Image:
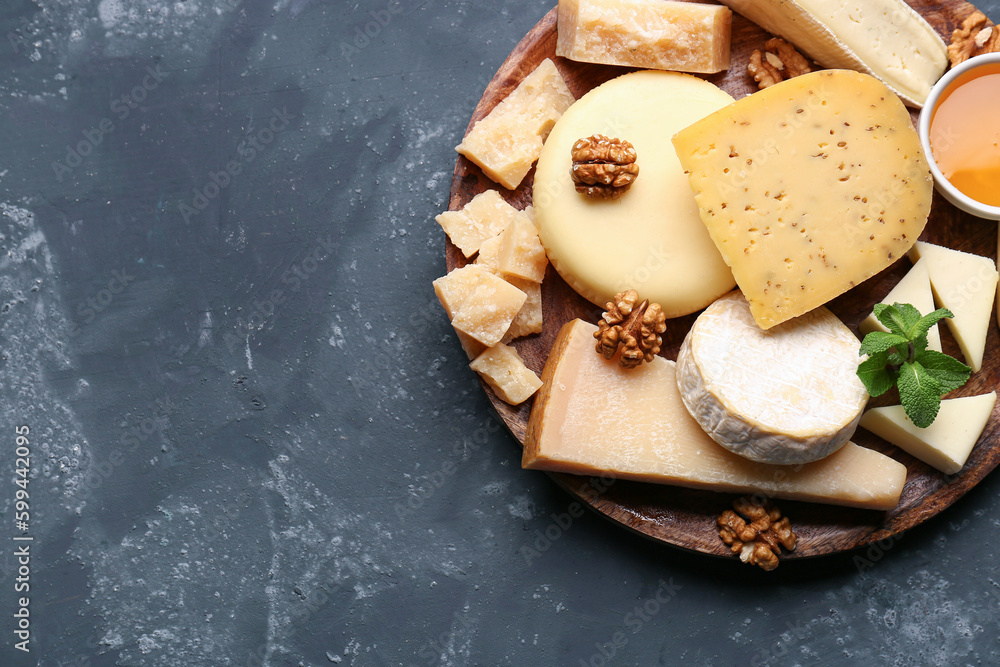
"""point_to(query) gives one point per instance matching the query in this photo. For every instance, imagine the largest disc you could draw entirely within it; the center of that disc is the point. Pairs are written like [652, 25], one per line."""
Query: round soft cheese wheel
[790, 394]
[651, 238]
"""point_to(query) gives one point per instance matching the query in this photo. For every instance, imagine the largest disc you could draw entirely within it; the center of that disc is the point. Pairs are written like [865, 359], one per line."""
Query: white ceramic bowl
[949, 191]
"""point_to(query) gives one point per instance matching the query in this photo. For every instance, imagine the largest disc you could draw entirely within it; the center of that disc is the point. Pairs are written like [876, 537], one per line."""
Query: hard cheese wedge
[945, 444]
[651, 239]
[966, 285]
[914, 289]
[507, 142]
[653, 34]
[885, 38]
[808, 188]
[593, 417]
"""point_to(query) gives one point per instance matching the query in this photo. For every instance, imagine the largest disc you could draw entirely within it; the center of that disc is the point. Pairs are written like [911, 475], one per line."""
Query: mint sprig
[899, 357]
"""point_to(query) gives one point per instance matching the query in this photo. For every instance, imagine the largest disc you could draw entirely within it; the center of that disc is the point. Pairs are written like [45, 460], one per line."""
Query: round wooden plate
[686, 517]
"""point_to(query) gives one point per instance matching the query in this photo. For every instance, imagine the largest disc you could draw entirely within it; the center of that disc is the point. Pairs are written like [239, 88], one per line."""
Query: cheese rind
[507, 141]
[652, 34]
[966, 285]
[788, 395]
[808, 188]
[592, 417]
[650, 239]
[947, 442]
[503, 369]
[884, 38]
[915, 289]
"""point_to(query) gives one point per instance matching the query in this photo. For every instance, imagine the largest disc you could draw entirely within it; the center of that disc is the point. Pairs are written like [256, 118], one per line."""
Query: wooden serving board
[685, 517]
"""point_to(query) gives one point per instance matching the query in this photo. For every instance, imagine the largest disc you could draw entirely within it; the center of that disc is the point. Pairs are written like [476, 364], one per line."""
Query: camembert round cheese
[786, 395]
[651, 239]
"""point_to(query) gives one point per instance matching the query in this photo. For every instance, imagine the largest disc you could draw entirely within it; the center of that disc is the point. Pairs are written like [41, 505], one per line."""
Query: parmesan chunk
[503, 369]
[507, 141]
[653, 34]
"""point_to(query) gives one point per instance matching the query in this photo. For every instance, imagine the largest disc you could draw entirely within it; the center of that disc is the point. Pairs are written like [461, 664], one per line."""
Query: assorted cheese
[945, 444]
[594, 417]
[507, 142]
[884, 38]
[796, 194]
[654, 34]
[966, 285]
[914, 289]
[787, 395]
[652, 238]
[808, 188]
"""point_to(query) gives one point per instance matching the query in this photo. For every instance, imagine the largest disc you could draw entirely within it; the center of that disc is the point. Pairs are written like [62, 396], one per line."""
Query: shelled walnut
[633, 326]
[778, 62]
[758, 542]
[976, 36]
[603, 167]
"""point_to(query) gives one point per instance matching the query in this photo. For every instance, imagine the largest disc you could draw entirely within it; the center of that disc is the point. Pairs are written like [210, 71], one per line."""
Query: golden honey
[965, 134]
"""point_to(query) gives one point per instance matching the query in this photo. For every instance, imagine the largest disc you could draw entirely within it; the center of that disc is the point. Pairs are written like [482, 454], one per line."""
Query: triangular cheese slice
[914, 289]
[966, 285]
[947, 442]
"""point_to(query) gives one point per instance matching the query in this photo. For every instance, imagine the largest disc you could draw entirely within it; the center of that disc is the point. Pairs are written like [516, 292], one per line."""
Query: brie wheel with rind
[947, 442]
[884, 38]
[592, 417]
[965, 284]
[651, 239]
[787, 395]
[914, 289]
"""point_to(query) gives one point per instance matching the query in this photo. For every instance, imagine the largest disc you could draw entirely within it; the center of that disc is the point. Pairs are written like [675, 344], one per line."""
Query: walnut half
[976, 36]
[758, 542]
[633, 326]
[778, 62]
[603, 167]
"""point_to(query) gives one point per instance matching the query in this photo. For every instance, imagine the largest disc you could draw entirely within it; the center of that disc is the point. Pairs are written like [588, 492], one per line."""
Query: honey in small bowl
[965, 133]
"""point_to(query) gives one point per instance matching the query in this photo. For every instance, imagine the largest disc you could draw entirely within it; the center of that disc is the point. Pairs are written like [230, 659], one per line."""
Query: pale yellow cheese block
[593, 417]
[529, 319]
[808, 188]
[947, 442]
[652, 34]
[914, 289]
[507, 141]
[503, 369]
[966, 285]
[521, 254]
[650, 239]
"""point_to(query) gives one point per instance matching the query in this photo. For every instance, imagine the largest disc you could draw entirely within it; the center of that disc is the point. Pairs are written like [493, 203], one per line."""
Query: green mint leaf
[875, 376]
[924, 324]
[880, 341]
[919, 393]
[890, 318]
[949, 372]
[899, 318]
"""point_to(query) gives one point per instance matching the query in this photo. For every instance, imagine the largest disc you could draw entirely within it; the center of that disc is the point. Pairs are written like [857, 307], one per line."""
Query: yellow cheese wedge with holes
[808, 188]
[592, 417]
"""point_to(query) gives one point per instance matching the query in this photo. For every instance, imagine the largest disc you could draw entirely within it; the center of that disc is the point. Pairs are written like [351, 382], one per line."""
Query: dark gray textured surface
[254, 439]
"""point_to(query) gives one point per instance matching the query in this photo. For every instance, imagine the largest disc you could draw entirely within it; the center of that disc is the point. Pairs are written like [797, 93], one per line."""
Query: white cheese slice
[946, 443]
[966, 285]
[914, 289]
[790, 394]
[885, 38]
